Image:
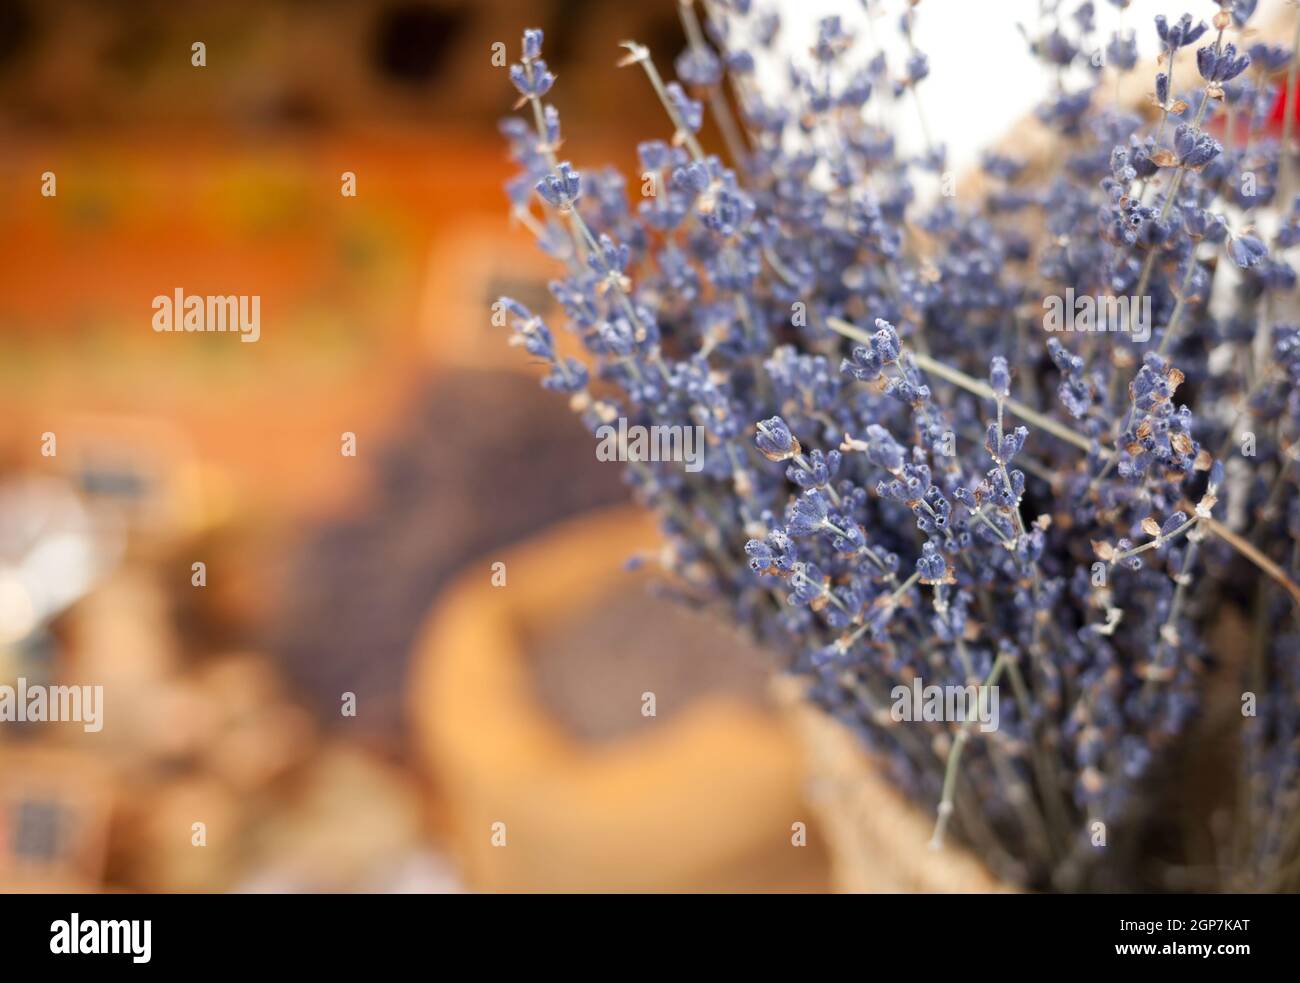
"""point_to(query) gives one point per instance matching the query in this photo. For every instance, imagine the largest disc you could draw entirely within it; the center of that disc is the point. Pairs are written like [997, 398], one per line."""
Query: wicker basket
[879, 841]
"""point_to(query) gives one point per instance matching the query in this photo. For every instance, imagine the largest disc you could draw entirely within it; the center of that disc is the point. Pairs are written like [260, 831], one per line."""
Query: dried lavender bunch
[910, 475]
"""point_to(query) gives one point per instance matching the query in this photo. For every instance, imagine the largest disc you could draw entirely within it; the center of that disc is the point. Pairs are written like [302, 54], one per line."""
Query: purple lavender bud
[1056, 49]
[1000, 377]
[809, 514]
[918, 67]
[516, 308]
[1192, 34]
[1270, 57]
[1221, 65]
[831, 39]
[885, 341]
[863, 364]
[616, 336]
[1172, 523]
[857, 91]
[775, 439]
[740, 63]
[853, 540]
[1122, 51]
[766, 27]
[689, 111]
[611, 258]
[930, 564]
[1085, 17]
[991, 440]
[1162, 88]
[774, 554]
[533, 79]
[1231, 65]
[825, 655]
[1201, 224]
[817, 472]
[1012, 443]
[1206, 60]
[693, 178]
[533, 43]
[516, 130]
[653, 154]
[883, 450]
[539, 342]
[1179, 34]
[1194, 148]
[572, 378]
[1001, 166]
[1246, 250]
[1162, 29]
[731, 211]
[562, 188]
[808, 583]
[1132, 562]
[698, 66]
[760, 555]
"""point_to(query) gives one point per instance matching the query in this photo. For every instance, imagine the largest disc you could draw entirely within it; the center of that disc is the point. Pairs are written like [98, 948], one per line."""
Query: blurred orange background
[329, 575]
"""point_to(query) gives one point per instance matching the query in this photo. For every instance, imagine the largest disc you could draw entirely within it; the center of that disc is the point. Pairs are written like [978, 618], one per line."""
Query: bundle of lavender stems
[1036, 444]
